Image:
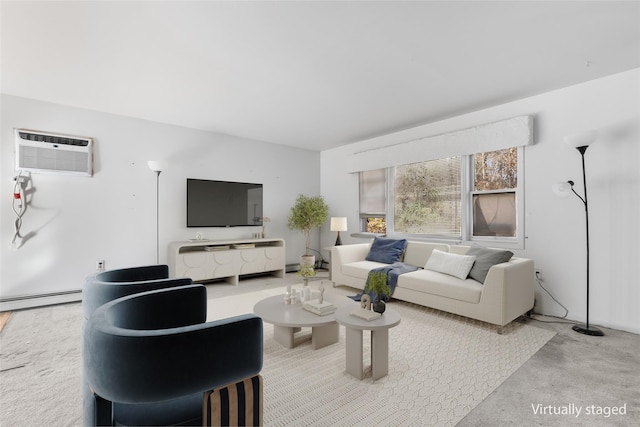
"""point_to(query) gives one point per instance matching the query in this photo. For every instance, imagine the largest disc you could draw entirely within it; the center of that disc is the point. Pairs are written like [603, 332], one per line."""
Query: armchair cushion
[183, 411]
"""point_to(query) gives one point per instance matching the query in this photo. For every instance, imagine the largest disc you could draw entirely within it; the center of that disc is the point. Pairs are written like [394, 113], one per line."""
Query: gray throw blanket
[392, 271]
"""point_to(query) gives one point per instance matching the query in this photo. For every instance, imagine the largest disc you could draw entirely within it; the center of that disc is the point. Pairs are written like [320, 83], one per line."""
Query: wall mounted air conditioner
[43, 152]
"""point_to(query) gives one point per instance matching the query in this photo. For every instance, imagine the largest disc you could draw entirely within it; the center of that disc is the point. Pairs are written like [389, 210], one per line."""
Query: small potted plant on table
[378, 286]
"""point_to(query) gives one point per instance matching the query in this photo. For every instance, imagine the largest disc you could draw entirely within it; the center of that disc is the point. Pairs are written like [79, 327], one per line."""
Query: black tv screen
[223, 203]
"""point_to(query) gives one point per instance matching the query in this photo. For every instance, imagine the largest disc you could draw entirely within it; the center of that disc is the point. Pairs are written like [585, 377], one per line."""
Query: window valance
[514, 132]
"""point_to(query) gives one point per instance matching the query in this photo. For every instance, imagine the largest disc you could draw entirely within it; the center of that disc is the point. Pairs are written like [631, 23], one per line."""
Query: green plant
[306, 214]
[377, 284]
[306, 271]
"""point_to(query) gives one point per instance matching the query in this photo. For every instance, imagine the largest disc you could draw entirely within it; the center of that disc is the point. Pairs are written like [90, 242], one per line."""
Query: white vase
[307, 260]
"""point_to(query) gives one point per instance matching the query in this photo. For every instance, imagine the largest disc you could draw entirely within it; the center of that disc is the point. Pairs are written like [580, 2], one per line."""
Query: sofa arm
[512, 285]
[345, 254]
[341, 255]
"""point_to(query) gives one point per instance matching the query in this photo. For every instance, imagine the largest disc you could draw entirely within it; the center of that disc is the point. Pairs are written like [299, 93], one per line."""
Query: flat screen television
[223, 203]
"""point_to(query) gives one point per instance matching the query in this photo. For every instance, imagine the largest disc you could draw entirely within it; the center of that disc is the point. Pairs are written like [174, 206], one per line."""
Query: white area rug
[440, 367]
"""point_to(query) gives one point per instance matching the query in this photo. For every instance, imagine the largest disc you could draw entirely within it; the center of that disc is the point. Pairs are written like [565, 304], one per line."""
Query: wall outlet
[100, 265]
[539, 275]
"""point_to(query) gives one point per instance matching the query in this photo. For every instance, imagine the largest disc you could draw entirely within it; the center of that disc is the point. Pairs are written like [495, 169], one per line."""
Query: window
[465, 198]
[494, 193]
[427, 198]
[373, 201]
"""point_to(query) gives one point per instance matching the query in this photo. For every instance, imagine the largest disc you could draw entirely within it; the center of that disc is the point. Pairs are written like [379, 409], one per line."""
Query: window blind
[373, 192]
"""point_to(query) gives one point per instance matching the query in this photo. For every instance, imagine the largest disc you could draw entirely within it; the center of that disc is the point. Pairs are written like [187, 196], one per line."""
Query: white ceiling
[314, 75]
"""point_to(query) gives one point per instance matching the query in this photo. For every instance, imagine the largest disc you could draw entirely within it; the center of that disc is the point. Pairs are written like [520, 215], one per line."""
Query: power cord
[320, 262]
[566, 311]
[19, 205]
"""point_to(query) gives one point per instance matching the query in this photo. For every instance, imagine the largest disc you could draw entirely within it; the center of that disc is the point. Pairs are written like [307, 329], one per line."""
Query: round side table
[379, 340]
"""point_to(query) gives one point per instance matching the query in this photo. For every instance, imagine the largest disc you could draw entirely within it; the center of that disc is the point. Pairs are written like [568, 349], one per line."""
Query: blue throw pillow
[386, 250]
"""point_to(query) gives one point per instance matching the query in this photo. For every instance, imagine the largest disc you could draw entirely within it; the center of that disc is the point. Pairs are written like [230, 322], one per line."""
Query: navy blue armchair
[149, 357]
[100, 288]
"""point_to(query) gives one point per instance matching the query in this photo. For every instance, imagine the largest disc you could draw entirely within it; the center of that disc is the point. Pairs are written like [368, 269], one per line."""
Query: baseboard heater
[39, 300]
[320, 265]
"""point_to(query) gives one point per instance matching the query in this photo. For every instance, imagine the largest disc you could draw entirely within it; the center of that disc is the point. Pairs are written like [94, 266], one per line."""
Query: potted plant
[377, 285]
[306, 271]
[306, 214]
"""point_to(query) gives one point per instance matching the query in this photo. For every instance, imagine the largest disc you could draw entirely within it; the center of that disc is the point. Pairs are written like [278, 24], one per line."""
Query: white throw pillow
[451, 264]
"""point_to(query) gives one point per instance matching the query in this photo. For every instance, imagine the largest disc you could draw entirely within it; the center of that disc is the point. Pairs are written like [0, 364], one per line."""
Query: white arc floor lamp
[581, 142]
[157, 168]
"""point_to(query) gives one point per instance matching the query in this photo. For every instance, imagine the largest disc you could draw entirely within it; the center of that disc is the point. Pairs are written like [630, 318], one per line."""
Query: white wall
[112, 215]
[555, 228]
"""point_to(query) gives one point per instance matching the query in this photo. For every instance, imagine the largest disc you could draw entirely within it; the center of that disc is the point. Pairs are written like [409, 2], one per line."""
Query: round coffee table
[379, 340]
[289, 318]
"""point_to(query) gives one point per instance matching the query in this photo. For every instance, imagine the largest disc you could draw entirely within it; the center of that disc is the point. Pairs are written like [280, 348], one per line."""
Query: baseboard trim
[39, 300]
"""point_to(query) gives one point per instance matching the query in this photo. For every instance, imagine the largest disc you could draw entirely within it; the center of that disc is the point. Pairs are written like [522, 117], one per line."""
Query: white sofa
[507, 291]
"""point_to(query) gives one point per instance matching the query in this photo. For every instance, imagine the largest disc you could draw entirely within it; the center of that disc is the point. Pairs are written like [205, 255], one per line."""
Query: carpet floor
[440, 367]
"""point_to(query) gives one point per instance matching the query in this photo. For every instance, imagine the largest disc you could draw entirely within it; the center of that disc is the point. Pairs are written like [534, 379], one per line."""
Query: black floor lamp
[581, 142]
[157, 168]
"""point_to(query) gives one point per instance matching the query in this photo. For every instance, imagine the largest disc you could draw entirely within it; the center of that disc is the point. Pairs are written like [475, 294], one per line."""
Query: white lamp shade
[561, 189]
[156, 166]
[339, 223]
[582, 139]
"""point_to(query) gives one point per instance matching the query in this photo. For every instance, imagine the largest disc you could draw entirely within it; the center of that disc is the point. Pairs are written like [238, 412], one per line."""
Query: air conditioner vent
[42, 152]
[51, 139]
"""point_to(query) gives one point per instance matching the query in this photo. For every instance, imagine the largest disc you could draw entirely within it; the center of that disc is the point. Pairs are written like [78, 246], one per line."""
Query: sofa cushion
[360, 269]
[452, 264]
[444, 285]
[417, 253]
[485, 259]
[386, 250]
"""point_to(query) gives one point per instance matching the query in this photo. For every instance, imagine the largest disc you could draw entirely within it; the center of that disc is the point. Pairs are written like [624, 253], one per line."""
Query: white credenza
[206, 260]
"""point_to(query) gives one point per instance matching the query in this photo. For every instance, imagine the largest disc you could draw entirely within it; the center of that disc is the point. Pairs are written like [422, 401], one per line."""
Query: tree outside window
[428, 198]
[376, 225]
[496, 170]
